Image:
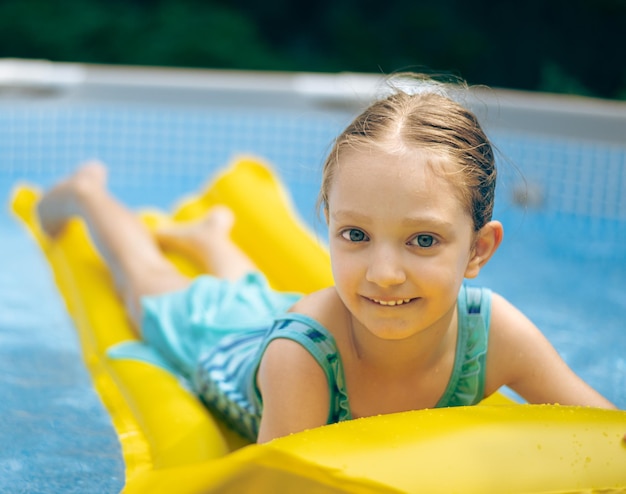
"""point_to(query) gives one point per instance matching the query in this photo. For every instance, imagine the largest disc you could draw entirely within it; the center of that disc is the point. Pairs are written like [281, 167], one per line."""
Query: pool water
[56, 437]
[563, 261]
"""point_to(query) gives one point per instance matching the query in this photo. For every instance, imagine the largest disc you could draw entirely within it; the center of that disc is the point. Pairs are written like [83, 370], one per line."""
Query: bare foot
[198, 235]
[61, 202]
[208, 242]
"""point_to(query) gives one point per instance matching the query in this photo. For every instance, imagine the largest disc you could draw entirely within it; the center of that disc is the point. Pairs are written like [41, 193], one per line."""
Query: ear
[486, 243]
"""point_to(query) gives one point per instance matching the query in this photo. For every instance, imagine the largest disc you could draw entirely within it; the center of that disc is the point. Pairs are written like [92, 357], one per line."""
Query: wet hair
[420, 115]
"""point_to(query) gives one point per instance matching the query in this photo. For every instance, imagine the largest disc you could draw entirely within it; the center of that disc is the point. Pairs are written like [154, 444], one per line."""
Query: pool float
[171, 443]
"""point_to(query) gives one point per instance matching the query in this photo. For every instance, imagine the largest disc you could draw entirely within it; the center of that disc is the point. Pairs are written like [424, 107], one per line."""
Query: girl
[407, 193]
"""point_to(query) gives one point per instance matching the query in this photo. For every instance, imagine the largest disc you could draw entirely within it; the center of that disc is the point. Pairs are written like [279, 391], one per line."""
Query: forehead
[404, 172]
[378, 184]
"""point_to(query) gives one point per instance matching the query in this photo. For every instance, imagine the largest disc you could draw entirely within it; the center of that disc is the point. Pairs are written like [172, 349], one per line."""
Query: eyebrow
[344, 215]
[430, 220]
[426, 219]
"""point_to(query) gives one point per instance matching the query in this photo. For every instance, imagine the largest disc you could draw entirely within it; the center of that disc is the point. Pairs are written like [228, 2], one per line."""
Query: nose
[385, 267]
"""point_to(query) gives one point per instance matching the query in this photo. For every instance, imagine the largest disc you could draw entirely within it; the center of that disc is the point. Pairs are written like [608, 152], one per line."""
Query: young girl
[407, 193]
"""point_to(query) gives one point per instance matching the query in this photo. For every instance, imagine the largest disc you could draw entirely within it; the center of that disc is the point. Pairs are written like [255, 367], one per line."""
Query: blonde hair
[420, 114]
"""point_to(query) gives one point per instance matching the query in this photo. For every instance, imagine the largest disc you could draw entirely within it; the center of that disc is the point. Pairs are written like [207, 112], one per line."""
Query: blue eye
[354, 235]
[424, 240]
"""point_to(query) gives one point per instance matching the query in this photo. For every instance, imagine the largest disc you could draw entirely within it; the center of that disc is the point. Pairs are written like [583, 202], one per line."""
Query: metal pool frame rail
[539, 113]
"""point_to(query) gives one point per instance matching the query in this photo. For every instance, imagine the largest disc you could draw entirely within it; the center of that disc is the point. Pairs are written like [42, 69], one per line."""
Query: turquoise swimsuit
[218, 351]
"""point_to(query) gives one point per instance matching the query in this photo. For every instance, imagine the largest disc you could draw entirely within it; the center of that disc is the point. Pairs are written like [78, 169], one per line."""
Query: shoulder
[294, 384]
[521, 357]
[293, 388]
[284, 355]
[513, 343]
[513, 334]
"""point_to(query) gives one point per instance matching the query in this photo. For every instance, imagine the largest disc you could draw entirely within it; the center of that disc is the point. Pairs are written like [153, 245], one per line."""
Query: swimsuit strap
[467, 383]
[320, 343]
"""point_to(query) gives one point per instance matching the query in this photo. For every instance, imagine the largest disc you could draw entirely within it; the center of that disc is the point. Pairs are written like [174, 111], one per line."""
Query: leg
[137, 265]
[208, 242]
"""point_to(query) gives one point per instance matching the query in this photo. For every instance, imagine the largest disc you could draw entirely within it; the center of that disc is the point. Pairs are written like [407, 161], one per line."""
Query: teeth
[392, 302]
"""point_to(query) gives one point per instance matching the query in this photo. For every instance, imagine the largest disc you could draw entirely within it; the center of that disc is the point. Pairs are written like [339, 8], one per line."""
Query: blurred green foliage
[568, 46]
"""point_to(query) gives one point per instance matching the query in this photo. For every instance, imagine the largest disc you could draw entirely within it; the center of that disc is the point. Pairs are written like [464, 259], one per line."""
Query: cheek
[345, 267]
[445, 271]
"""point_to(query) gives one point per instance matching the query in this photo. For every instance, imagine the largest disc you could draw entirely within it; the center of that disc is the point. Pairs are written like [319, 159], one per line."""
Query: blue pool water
[563, 261]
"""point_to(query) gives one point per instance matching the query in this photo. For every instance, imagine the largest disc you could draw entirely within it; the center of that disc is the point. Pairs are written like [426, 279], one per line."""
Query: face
[400, 242]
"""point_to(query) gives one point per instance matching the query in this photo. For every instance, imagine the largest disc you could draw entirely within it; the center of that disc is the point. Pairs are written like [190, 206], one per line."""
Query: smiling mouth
[391, 303]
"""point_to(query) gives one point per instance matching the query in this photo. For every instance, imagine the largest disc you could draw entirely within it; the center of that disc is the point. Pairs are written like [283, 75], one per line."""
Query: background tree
[573, 46]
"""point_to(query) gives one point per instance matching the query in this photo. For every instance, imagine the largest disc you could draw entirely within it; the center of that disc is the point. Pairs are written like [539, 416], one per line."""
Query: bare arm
[523, 359]
[294, 389]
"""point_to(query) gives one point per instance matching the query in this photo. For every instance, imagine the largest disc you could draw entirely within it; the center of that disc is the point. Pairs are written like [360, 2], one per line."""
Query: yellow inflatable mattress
[171, 443]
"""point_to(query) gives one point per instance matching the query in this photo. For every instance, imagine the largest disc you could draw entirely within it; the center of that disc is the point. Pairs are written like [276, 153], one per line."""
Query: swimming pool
[163, 133]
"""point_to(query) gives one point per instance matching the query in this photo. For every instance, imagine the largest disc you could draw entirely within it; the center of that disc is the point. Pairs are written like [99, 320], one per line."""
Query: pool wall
[570, 150]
